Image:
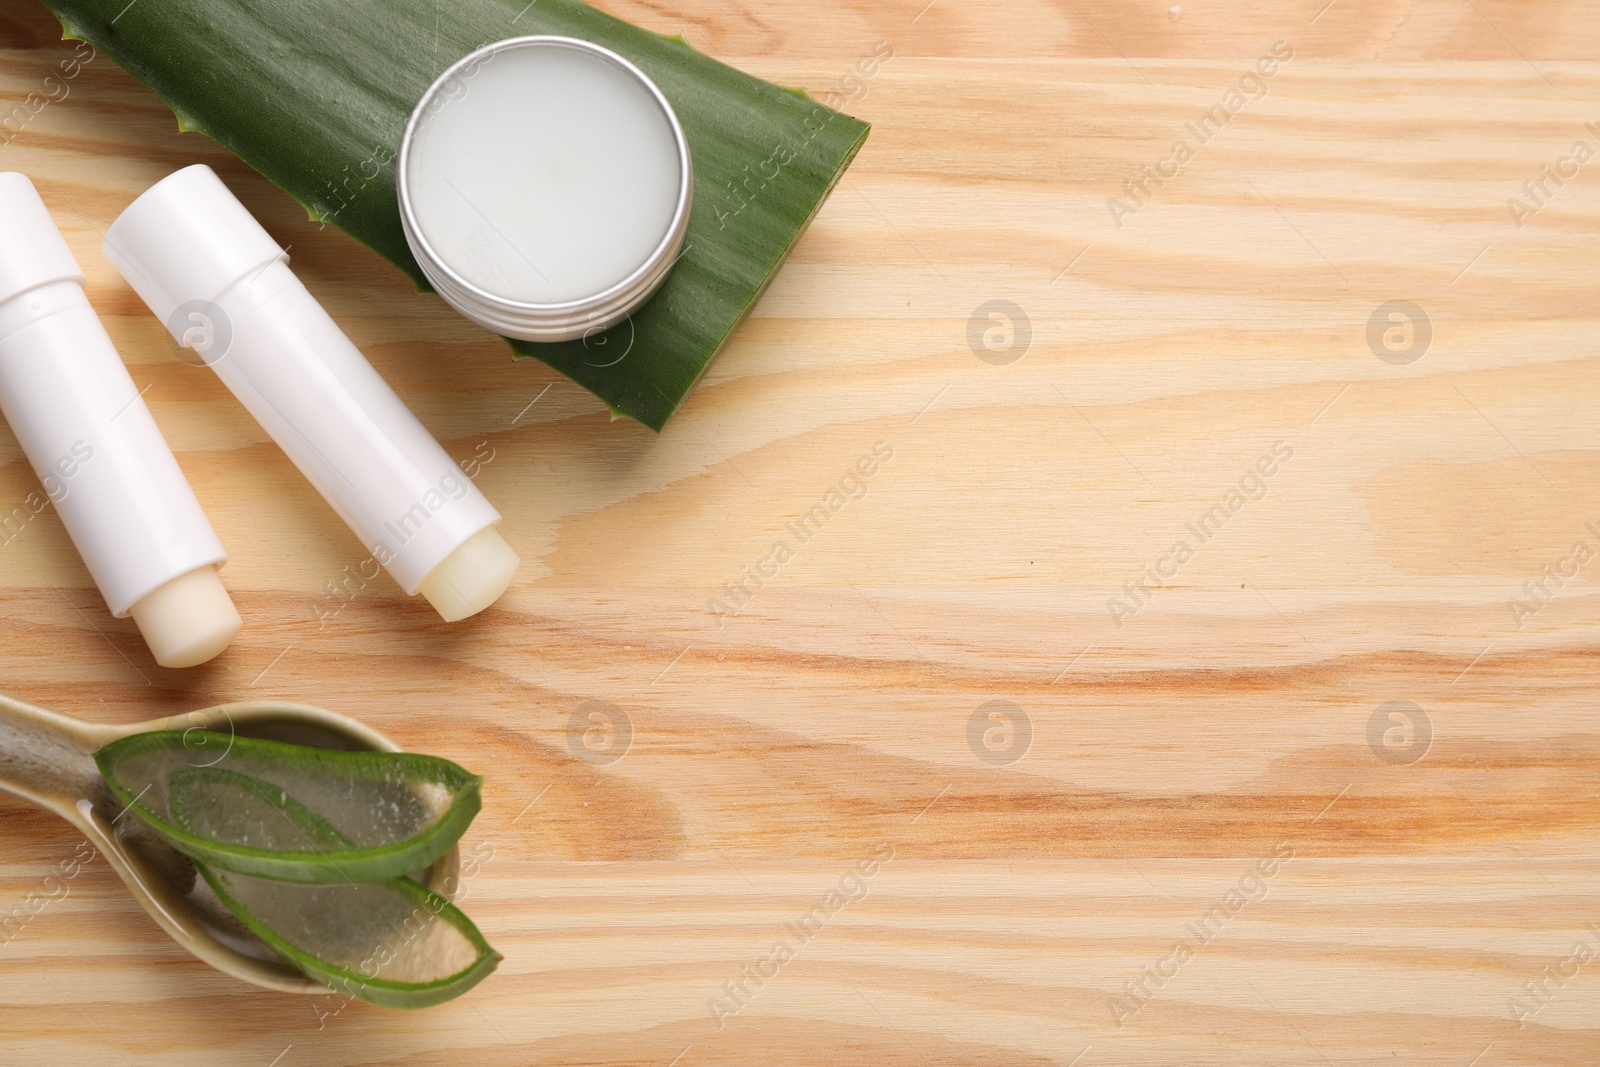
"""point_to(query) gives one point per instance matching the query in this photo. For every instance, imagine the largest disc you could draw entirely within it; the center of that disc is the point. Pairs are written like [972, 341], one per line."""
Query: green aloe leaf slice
[222, 805]
[288, 812]
[392, 943]
[388, 943]
[315, 93]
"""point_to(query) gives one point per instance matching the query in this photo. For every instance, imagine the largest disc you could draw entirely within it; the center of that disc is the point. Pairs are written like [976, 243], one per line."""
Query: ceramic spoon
[47, 758]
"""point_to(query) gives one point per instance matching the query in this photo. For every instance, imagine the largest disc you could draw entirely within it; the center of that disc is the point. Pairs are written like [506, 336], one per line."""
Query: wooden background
[1443, 863]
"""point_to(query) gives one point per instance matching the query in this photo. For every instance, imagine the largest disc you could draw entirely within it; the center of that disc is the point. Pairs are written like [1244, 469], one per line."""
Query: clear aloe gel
[391, 943]
[345, 915]
[247, 812]
[247, 805]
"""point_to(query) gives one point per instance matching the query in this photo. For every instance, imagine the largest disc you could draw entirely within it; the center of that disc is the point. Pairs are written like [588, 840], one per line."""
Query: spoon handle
[46, 757]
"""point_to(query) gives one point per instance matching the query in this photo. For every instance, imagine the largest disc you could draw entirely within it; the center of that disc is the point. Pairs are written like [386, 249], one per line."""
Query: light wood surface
[1398, 880]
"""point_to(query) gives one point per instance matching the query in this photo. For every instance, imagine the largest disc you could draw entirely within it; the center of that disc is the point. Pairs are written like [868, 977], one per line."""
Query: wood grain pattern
[1397, 883]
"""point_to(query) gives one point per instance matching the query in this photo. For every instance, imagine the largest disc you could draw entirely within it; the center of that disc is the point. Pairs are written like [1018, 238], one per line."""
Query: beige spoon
[47, 758]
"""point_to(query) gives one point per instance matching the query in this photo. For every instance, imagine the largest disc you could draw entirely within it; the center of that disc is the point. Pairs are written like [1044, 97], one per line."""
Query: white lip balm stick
[224, 288]
[92, 442]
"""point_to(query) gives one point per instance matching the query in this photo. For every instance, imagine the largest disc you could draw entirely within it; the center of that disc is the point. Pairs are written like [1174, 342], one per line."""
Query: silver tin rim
[571, 319]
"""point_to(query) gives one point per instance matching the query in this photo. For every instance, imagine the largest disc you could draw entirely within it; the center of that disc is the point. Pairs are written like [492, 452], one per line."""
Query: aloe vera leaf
[393, 811]
[315, 93]
[223, 805]
[392, 943]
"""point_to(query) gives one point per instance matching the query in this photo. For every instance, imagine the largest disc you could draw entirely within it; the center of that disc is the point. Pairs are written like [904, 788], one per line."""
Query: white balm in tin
[545, 186]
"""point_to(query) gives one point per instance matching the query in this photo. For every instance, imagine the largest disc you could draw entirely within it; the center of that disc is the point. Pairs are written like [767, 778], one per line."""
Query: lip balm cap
[35, 251]
[189, 620]
[187, 238]
[472, 577]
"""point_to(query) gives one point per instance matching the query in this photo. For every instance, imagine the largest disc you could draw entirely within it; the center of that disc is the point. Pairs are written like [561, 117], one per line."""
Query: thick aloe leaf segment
[315, 93]
[289, 812]
[392, 943]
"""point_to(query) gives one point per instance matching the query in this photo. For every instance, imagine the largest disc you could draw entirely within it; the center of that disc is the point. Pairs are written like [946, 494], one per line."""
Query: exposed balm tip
[472, 577]
[188, 620]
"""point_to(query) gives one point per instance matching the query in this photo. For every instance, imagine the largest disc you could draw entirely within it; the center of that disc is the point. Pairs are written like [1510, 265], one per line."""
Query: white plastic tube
[92, 442]
[224, 288]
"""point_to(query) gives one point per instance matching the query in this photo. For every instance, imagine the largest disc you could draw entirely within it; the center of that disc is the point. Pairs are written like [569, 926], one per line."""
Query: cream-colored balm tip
[472, 577]
[189, 620]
